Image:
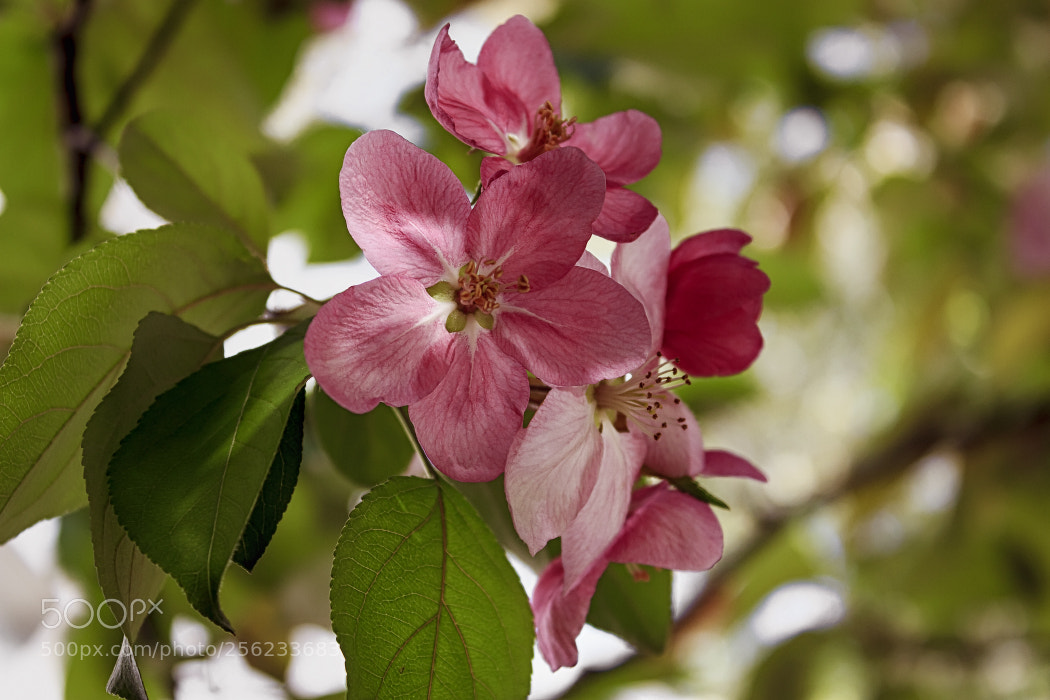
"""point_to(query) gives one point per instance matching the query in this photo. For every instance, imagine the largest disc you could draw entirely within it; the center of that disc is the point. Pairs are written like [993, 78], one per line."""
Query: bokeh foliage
[902, 405]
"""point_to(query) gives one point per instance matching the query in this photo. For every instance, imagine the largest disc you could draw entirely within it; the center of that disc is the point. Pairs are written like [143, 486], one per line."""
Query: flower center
[548, 132]
[476, 294]
[639, 398]
[479, 290]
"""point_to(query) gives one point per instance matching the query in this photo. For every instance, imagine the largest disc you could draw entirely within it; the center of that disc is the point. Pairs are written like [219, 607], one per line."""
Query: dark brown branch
[81, 142]
[65, 46]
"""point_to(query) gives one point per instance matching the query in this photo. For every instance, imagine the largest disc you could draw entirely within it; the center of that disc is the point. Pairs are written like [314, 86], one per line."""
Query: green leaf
[303, 179]
[692, 488]
[181, 169]
[367, 448]
[277, 490]
[490, 500]
[636, 610]
[165, 350]
[32, 232]
[126, 681]
[76, 337]
[185, 481]
[424, 601]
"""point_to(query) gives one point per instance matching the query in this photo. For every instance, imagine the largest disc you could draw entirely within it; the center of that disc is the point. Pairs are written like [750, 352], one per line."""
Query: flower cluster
[482, 313]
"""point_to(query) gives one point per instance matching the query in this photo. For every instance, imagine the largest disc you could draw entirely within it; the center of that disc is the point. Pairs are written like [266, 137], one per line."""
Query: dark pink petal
[552, 466]
[467, 423]
[722, 463]
[624, 215]
[403, 207]
[714, 298]
[712, 347]
[579, 330]
[560, 617]
[602, 517]
[680, 449]
[641, 267]
[517, 58]
[727, 241]
[536, 219]
[669, 530]
[374, 343]
[626, 145]
[467, 104]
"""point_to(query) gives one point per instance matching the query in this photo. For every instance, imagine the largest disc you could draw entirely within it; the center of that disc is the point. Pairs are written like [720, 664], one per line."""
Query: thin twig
[155, 49]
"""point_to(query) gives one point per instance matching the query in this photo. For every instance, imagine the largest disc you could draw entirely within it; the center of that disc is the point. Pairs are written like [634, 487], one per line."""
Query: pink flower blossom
[1029, 226]
[664, 528]
[469, 298]
[570, 473]
[329, 15]
[509, 104]
[714, 298]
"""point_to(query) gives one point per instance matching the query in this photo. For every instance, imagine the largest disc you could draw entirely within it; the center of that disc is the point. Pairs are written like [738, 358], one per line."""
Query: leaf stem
[402, 417]
[306, 297]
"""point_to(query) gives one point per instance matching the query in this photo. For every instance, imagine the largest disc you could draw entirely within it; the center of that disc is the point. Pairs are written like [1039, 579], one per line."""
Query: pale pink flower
[509, 104]
[469, 298]
[664, 528]
[570, 473]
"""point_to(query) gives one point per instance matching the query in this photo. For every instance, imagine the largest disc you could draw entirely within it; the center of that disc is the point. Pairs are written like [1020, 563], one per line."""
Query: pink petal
[580, 330]
[467, 104]
[722, 463]
[552, 466]
[626, 145]
[404, 207]
[680, 449]
[559, 616]
[600, 520]
[517, 58]
[373, 343]
[641, 267]
[669, 530]
[624, 216]
[467, 423]
[536, 219]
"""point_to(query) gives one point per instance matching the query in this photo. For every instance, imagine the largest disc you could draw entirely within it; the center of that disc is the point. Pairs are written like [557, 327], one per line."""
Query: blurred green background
[890, 159]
